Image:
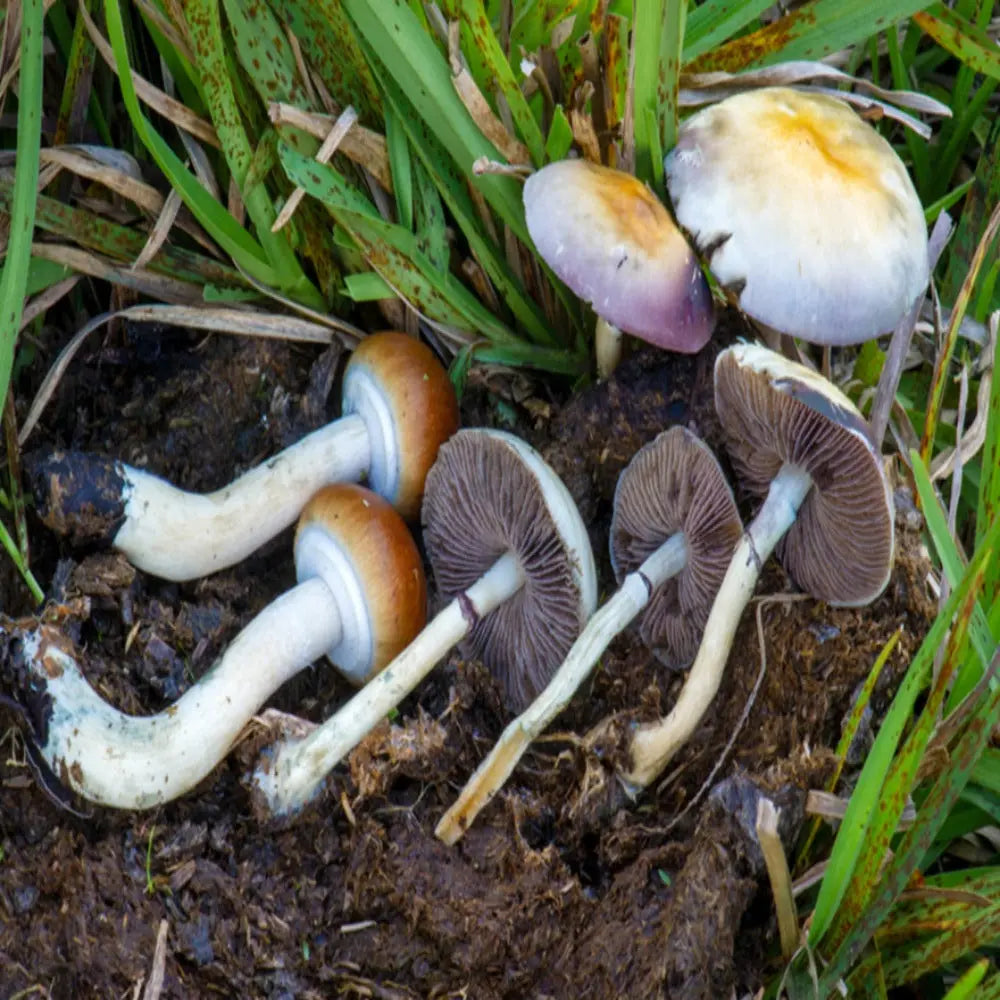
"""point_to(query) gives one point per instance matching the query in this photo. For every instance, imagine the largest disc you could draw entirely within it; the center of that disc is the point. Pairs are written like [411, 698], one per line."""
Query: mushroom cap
[490, 493]
[614, 244]
[397, 385]
[354, 540]
[804, 212]
[773, 412]
[674, 484]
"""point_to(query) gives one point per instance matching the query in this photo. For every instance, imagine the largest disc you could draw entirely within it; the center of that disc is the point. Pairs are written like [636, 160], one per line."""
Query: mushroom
[806, 215]
[797, 440]
[673, 532]
[614, 244]
[510, 553]
[360, 599]
[398, 407]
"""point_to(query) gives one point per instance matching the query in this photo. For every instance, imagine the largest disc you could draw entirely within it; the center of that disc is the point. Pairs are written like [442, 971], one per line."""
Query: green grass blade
[899, 779]
[811, 31]
[657, 39]
[429, 218]
[401, 168]
[395, 254]
[915, 842]
[963, 39]
[966, 985]
[328, 41]
[255, 39]
[410, 56]
[451, 186]
[14, 280]
[714, 22]
[850, 729]
[121, 243]
[223, 228]
[953, 568]
[865, 800]
[477, 30]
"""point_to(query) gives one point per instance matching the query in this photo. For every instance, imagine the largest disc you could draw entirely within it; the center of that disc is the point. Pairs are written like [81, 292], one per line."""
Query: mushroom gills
[673, 496]
[490, 501]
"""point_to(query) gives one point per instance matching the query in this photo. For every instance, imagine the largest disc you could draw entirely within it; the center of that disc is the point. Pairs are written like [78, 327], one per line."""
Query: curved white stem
[131, 762]
[178, 535]
[633, 595]
[655, 743]
[293, 770]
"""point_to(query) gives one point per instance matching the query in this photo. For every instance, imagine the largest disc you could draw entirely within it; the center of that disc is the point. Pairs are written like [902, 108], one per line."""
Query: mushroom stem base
[491, 775]
[292, 771]
[655, 743]
[130, 762]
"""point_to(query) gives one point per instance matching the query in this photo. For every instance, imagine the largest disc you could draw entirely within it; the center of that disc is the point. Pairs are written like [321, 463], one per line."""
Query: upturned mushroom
[360, 599]
[805, 214]
[673, 531]
[510, 553]
[797, 440]
[398, 408]
[613, 243]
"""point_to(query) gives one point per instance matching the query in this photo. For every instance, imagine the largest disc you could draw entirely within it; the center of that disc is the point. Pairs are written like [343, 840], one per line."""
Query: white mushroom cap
[804, 212]
[614, 244]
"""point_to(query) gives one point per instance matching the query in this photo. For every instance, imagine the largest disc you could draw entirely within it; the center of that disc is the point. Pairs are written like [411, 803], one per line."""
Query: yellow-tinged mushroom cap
[804, 212]
[614, 244]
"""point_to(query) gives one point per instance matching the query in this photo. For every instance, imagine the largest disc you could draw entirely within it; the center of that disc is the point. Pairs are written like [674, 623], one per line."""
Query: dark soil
[562, 888]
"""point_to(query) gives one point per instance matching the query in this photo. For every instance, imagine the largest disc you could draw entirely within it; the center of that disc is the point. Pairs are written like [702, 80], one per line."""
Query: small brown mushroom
[798, 439]
[360, 599]
[398, 407]
[674, 528]
[510, 553]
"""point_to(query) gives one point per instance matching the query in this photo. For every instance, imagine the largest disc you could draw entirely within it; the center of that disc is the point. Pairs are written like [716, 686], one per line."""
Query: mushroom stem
[293, 770]
[607, 347]
[181, 536]
[633, 595]
[655, 743]
[130, 762]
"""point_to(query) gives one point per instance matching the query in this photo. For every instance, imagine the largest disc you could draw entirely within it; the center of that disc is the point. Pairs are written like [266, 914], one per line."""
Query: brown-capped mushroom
[511, 555]
[611, 241]
[360, 599]
[797, 439]
[398, 407]
[673, 532]
[805, 214]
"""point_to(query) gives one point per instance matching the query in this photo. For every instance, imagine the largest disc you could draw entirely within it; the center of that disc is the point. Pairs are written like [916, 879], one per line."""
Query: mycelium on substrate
[360, 599]
[609, 239]
[795, 439]
[510, 554]
[804, 213]
[398, 408]
[673, 532]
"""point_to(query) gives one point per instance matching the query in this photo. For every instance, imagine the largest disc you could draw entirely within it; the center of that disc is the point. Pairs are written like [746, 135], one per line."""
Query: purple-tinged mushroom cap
[806, 215]
[614, 244]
